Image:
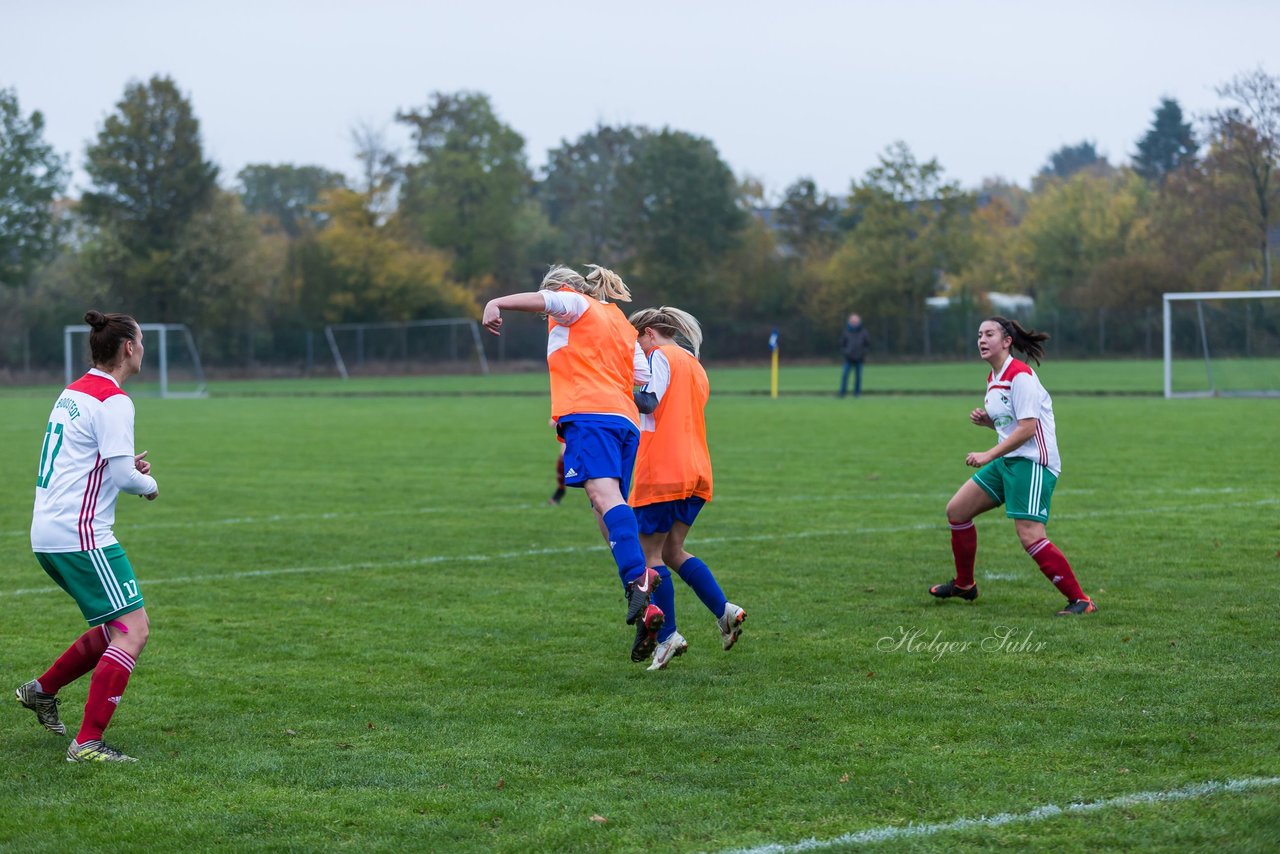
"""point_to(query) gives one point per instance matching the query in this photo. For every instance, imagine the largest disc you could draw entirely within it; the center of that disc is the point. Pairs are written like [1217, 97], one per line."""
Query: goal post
[171, 352]
[1222, 344]
[404, 345]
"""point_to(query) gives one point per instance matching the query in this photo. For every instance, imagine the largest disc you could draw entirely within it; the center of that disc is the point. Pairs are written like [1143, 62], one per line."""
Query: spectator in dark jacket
[853, 344]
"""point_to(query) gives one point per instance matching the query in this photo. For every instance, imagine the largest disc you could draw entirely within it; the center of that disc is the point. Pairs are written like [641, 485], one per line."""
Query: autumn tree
[1072, 227]
[1201, 224]
[911, 230]
[1247, 142]
[361, 269]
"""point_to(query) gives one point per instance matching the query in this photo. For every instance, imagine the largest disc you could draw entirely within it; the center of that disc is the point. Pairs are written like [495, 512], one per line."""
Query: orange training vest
[592, 363]
[673, 461]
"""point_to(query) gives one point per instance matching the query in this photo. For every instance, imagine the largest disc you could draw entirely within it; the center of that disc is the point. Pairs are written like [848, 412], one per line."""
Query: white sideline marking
[884, 834]
[427, 560]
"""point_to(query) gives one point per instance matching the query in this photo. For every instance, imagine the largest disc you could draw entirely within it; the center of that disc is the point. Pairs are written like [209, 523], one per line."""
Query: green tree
[32, 175]
[287, 194]
[678, 202]
[911, 231]
[222, 279]
[150, 179]
[468, 185]
[148, 168]
[807, 219]
[580, 192]
[1247, 139]
[1070, 159]
[760, 292]
[1167, 145]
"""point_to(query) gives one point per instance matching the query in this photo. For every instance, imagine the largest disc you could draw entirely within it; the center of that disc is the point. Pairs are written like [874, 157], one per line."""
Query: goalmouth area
[1232, 333]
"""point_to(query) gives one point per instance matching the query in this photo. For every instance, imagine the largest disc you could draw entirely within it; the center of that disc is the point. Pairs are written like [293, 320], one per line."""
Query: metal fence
[1246, 329]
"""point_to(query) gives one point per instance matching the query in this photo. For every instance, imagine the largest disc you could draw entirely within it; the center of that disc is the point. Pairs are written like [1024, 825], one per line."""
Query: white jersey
[75, 505]
[1015, 393]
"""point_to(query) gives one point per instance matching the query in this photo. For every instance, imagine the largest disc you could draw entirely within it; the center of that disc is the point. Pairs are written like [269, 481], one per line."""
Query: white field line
[427, 560]
[886, 834]
[277, 518]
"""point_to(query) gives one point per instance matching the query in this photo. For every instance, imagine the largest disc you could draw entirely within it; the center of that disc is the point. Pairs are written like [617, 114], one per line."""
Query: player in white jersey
[1020, 471]
[86, 460]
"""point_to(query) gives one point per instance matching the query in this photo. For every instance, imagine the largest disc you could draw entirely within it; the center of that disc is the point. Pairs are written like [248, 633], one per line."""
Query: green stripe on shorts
[1024, 486]
[101, 581]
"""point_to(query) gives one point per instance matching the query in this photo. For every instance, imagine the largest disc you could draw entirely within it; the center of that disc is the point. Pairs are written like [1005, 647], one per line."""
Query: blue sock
[665, 598]
[697, 575]
[624, 540]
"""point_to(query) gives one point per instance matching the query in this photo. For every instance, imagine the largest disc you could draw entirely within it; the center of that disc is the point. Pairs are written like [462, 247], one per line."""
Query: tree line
[255, 262]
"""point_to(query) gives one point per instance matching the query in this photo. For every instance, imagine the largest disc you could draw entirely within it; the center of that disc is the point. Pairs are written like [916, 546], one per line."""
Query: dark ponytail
[109, 332]
[1028, 341]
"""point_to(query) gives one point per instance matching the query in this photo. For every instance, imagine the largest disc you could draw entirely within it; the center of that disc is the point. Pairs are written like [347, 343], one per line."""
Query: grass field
[371, 633]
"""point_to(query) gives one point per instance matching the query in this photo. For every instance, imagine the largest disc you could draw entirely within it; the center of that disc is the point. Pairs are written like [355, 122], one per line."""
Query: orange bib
[591, 364]
[673, 461]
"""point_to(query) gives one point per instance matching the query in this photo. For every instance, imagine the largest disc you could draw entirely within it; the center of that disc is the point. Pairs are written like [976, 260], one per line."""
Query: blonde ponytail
[603, 283]
[671, 322]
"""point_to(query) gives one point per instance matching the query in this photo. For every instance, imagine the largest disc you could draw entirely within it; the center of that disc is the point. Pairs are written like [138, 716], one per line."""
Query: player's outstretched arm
[531, 301]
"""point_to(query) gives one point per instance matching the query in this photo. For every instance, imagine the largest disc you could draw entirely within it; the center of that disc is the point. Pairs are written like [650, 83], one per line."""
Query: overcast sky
[784, 89]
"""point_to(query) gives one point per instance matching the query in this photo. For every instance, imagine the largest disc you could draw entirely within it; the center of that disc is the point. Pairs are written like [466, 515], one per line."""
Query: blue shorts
[659, 518]
[598, 447]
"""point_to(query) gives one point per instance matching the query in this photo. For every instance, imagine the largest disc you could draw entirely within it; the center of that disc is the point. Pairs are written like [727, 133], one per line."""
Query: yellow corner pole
[773, 368]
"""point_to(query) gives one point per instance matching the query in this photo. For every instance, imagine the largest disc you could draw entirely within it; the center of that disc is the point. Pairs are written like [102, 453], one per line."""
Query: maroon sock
[964, 546]
[105, 690]
[81, 657]
[1053, 563]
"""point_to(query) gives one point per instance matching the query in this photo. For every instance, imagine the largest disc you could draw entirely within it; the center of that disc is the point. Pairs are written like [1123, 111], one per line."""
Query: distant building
[1015, 305]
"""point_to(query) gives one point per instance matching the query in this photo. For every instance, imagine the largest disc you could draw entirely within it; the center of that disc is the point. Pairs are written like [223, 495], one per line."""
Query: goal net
[170, 367]
[1223, 343]
[415, 346]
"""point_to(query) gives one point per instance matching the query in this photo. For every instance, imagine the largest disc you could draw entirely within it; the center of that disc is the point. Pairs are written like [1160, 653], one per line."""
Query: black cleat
[1078, 606]
[44, 705]
[949, 589]
[647, 632]
[639, 591]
